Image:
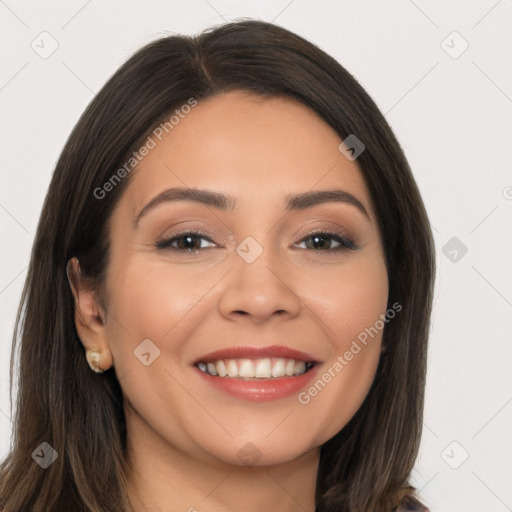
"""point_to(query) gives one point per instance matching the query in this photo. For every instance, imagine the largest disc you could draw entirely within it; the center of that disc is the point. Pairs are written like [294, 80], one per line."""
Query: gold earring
[93, 358]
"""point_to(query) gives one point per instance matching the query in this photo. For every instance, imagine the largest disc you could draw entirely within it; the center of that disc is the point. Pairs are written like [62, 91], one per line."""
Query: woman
[234, 243]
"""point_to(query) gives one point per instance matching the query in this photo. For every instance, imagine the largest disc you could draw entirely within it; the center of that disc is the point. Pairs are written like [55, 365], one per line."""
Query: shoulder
[410, 503]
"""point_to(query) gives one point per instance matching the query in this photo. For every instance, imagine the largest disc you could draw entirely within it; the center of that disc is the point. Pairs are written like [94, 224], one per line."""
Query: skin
[184, 436]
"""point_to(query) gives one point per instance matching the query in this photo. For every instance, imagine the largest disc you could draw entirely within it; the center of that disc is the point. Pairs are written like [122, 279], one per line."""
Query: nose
[259, 290]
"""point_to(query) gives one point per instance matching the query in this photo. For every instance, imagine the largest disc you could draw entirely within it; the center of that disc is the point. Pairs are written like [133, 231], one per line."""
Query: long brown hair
[366, 466]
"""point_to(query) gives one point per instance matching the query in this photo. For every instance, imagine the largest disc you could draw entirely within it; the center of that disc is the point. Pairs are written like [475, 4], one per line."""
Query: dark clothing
[411, 504]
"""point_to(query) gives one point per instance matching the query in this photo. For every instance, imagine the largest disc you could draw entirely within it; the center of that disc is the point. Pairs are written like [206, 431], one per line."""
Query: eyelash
[346, 243]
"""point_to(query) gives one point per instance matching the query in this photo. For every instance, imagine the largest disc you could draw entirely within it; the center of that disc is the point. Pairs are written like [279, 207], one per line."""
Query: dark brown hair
[366, 466]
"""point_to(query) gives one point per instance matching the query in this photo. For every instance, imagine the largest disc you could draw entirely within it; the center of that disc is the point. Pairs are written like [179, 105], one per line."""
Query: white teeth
[259, 368]
[221, 369]
[278, 368]
[211, 368]
[246, 368]
[300, 367]
[232, 368]
[263, 368]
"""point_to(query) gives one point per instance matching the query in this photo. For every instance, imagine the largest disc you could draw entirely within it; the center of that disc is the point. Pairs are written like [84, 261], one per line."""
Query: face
[278, 285]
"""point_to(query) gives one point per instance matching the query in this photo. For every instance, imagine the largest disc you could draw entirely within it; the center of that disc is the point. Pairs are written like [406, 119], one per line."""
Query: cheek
[349, 304]
[158, 293]
[150, 303]
[347, 298]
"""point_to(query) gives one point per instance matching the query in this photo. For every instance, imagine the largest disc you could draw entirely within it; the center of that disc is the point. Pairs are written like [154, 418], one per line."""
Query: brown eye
[187, 241]
[321, 242]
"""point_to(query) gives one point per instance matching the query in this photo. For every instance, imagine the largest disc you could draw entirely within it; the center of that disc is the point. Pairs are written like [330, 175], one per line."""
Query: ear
[89, 319]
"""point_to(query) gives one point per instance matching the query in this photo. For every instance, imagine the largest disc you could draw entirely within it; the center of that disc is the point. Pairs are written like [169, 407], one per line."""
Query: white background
[451, 115]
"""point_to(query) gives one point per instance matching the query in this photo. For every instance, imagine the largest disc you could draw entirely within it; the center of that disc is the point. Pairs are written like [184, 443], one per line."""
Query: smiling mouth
[255, 369]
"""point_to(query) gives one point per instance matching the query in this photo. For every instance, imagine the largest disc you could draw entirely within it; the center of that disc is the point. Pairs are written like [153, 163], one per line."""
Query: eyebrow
[226, 202]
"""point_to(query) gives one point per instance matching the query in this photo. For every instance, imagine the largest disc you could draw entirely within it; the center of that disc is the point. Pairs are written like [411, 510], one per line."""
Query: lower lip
[261, 390]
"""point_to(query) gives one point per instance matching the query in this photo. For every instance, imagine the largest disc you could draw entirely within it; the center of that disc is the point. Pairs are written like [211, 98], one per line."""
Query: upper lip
[257, 353]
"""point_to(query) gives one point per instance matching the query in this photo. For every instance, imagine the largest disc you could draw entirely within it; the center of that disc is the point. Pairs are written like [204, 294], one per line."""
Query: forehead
[256, 149]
